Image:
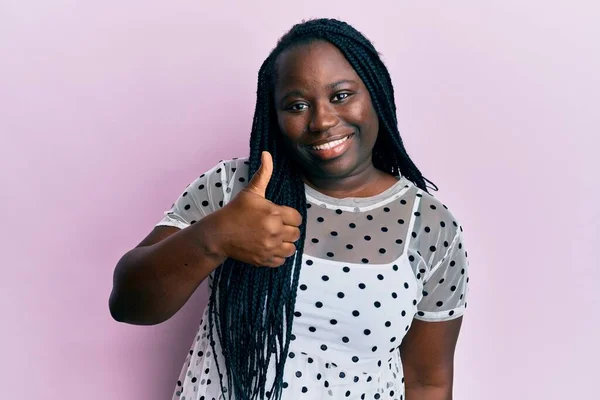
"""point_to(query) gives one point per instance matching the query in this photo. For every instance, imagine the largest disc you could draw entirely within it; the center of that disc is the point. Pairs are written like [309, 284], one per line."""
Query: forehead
[311, 63]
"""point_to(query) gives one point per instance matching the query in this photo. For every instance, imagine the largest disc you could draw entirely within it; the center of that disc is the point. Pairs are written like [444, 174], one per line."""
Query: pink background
[108, 109]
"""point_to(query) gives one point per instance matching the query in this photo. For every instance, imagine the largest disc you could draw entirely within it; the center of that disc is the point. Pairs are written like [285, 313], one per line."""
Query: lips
[332, 148]
[329, 141]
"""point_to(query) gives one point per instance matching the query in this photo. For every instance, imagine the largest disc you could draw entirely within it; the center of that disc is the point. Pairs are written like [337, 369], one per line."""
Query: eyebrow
[330, 86]
[339, 83]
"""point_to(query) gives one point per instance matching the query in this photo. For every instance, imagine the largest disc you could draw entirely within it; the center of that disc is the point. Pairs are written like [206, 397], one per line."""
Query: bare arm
[428, 359]
[154, 280]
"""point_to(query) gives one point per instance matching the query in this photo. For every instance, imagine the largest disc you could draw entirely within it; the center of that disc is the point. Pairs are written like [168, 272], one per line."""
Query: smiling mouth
[332, 144]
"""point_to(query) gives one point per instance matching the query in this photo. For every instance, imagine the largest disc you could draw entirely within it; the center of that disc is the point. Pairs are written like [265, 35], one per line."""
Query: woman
[333, 272]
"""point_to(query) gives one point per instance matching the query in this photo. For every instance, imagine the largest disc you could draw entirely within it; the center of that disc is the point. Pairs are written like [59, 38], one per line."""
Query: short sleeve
[445, 287]
[207, 193]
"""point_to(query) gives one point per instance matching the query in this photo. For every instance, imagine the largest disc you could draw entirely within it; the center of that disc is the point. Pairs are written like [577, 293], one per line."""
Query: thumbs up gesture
[253, 229]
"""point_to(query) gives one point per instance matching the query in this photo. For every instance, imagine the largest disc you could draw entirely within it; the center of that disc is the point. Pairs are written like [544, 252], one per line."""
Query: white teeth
[330, 145]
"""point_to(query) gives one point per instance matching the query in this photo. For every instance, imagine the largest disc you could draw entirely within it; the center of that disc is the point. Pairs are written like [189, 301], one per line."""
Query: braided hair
[251, 308]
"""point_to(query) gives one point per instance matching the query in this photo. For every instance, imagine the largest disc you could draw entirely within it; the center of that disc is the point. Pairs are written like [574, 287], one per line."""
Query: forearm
[428, 392]
[152, 283]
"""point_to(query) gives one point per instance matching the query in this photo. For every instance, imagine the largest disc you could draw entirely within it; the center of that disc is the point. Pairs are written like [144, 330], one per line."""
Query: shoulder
[435, 222]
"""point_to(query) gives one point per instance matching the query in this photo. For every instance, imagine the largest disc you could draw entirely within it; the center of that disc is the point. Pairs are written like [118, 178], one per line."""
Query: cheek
[364, 115]
[291, 126]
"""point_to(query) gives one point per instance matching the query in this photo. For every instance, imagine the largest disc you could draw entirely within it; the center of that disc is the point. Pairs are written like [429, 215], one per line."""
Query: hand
[255, 230]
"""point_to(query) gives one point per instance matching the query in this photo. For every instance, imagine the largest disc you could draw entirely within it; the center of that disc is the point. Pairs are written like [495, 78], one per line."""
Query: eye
[297, 107]
[341, 96]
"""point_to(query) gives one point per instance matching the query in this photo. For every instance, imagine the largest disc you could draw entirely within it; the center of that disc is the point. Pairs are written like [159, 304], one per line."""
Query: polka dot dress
[370, 266]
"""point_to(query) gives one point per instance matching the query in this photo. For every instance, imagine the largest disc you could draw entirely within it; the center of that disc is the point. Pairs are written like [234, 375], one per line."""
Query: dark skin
[319, 96]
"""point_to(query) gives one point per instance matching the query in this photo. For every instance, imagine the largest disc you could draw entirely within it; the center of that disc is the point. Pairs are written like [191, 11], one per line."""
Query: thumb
[260, 180]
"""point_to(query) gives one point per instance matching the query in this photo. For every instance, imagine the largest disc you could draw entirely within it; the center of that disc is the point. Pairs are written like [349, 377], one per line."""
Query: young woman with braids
[333, 273]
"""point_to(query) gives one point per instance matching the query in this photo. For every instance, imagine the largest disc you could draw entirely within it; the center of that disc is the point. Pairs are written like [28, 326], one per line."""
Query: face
[324, 111]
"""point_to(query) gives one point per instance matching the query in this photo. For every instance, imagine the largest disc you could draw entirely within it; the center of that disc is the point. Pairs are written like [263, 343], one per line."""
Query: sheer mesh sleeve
[206, 194]
[445, 287]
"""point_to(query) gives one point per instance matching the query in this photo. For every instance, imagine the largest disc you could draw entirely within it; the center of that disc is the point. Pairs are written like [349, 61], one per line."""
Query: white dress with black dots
[370, 266]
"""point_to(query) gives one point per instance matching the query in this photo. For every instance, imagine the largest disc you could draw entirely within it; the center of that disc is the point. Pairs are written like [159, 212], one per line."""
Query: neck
[364, 182]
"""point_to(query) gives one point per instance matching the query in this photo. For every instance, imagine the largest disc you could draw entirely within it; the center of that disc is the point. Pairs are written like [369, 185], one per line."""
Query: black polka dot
[304, 389]
[388, 324]
[382, 250]
[355, 313]
[318, 304]
[298, 374]
[374, 349]
[406, 285]
[242, 179]
[365, 261]
[340, 295]
[333, 322]
[352, 225]
[367, 332]
[400, 221]
[312, 329]
[377, 304]
[297, 314]
[380, 277]
[355, 359]
[314, 240]
[323, 347]
[394, 295]
[303, 287]
[345, 339]
[346, 269]
[439, 303]
[320, 219]
[338, 211]
[325, 278]
[370, 217]
[362, 285]
[349, 246]
[367, 237]
[330, 254]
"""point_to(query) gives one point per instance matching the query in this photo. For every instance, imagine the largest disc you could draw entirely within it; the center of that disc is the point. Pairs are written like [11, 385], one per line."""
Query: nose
[323, 117]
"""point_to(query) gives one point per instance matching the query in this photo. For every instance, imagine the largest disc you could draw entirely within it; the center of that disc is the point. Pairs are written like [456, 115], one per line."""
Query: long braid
[251, 308]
